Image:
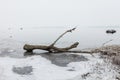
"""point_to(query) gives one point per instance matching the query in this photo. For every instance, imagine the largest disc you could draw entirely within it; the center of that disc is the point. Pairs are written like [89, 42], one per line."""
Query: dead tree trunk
[51, 48]
[30, 48]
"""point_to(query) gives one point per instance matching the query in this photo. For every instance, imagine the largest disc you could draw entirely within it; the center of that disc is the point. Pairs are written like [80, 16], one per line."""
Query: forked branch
[51, 48]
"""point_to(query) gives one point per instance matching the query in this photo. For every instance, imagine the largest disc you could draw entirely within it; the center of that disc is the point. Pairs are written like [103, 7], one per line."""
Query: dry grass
[116, 60]
[112, 52]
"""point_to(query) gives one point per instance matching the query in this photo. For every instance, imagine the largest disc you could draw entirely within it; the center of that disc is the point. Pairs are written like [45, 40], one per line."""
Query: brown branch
[51, 48]
[62, 36]
[30, 48]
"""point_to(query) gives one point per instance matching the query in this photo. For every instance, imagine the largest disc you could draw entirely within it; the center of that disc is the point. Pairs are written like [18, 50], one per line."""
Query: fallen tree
[52, 48]
[30, 48]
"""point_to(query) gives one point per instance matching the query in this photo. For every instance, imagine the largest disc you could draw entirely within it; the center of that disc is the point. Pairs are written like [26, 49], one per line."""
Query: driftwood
[30, 48]
[51, 48]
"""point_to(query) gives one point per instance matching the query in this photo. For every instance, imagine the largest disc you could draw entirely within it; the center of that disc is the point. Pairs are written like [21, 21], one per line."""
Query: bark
[62, 36]
[30, 48]
[51, 48]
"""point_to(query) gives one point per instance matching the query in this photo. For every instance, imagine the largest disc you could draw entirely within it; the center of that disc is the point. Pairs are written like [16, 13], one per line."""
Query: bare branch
[107, 42]
[62, 36]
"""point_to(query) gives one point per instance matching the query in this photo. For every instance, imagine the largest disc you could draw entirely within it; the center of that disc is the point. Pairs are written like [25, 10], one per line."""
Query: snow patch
[43, 69]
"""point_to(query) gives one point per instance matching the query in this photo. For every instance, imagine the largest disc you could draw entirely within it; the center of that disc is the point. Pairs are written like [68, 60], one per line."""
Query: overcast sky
[59, 12]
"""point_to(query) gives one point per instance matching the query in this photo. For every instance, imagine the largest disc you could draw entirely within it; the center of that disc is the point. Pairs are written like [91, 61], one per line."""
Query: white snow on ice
[44, 70]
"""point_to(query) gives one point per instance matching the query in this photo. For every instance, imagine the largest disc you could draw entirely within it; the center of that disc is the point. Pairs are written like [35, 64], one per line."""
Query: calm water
[87, 37]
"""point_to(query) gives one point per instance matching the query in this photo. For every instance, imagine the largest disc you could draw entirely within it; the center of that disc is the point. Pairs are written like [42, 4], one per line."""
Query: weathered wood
[62, 36]
[30, 48]
[51, 48]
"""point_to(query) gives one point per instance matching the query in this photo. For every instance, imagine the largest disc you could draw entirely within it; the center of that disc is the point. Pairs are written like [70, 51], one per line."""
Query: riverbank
[58, 67]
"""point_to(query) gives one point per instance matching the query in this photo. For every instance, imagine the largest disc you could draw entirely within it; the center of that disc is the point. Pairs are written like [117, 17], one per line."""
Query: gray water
[13, 39]
[88, 37]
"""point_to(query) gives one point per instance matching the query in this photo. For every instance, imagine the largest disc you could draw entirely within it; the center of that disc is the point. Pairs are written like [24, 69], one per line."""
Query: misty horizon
[60, 13]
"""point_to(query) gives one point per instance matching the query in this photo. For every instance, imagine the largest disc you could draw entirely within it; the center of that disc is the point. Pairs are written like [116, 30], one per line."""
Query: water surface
[87, 37]
[13, 38]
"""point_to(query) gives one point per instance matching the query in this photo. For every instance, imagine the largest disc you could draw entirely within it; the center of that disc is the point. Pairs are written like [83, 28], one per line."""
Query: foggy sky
[59, 12]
